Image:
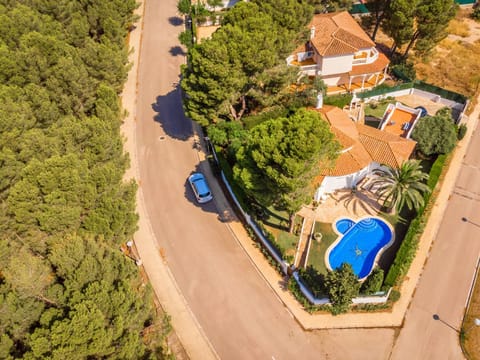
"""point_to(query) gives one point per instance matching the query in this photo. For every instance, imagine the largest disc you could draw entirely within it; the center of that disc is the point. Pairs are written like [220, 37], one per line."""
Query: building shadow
[170, 115]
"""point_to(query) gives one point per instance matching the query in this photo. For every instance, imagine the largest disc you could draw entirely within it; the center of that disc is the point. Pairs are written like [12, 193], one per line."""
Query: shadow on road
[170, 115]
[175, 20]
[177, 51]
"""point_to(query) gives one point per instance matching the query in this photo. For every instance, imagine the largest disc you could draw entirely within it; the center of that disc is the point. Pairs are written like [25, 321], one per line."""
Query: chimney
[312, 32]
[319, 101]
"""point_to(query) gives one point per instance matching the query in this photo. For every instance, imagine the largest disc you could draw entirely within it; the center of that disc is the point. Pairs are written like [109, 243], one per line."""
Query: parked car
[200, 187]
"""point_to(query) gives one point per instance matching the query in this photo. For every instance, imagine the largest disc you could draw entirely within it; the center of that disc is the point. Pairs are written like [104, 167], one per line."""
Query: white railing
[290, 59]
[367, 60]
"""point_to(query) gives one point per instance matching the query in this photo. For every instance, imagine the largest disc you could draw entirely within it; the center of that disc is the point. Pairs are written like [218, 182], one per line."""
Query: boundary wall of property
[410, 89]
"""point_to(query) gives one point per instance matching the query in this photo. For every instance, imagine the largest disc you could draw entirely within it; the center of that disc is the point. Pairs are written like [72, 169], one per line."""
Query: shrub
[404, 71]
[394, 295]
[373, 283]
[340, 100]
[476, 13]
[435, 134]
[342, 286]
[462, 130]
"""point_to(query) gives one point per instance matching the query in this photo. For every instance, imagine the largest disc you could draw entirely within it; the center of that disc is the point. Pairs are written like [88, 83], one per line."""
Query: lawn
[375, 109]
[276, 222]
[316, 257]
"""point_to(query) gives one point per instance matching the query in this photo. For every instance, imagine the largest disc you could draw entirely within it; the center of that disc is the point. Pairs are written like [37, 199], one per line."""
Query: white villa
[364, 149]
[341, 53]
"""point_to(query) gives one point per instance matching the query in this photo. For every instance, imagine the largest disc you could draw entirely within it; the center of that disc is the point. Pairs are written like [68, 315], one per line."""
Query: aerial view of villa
[341, 53]
[240, 179]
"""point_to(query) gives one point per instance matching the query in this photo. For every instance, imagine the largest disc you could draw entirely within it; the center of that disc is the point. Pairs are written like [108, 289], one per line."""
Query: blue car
[200, 187]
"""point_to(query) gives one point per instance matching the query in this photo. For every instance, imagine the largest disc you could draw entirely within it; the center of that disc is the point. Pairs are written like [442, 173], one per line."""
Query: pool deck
[344, 203]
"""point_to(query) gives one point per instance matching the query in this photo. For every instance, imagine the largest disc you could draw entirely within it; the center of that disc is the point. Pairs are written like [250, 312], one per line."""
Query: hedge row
[408, 248]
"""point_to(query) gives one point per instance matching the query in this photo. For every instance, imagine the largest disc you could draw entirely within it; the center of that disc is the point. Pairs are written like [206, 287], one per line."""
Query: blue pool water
[359, 244]
[343, 225]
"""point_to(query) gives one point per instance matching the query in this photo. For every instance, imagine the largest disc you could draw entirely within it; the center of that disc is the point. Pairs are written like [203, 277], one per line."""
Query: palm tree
[405, 185]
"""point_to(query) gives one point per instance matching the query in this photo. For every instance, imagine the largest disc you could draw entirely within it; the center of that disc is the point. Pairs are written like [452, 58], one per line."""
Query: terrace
[400, 119]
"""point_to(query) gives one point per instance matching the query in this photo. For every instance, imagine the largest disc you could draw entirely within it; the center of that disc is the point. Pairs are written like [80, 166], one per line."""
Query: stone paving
[344, 203]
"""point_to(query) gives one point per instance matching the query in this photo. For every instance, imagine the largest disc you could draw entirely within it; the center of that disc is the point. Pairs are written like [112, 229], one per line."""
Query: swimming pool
[359, 244]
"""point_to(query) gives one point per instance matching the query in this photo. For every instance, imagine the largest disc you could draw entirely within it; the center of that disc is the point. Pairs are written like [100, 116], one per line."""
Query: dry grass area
[454, 64]
[472, 335]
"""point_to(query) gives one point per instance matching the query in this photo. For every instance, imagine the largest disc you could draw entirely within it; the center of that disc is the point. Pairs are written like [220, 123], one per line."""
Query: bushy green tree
[224, 78]
[342, 286]
[282, 156]
[66, 291]
[435, 134]
[399, 22]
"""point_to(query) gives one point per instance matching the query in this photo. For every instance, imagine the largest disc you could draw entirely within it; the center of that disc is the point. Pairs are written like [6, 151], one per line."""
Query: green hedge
[408, 248]
[340, 100]
[384, 89]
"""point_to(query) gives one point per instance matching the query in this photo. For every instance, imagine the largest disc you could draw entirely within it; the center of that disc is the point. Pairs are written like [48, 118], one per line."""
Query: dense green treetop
[436, 134]
[255, 37]
[66, 291]
[282, 156]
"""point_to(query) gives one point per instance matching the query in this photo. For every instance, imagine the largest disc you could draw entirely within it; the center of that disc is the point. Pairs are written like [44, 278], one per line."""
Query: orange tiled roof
[362, 144]
[338, 34]
[377, 66]
[384, 147]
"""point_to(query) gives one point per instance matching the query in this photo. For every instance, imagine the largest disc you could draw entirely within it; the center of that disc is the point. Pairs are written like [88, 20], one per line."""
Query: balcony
[365, 57]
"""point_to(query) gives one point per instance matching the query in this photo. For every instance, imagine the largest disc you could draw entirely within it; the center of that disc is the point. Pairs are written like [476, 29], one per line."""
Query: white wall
[330, 81]
[336, 64]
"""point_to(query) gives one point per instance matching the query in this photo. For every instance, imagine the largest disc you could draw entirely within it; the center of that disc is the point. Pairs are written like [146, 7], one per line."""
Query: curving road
[239, 313]
[237, 310]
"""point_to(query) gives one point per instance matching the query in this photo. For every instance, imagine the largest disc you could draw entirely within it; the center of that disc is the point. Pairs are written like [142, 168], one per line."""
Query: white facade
[332, 183]
[336, 64]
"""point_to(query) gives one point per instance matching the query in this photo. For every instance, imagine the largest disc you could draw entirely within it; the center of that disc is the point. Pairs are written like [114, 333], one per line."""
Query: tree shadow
[356, 201]
[175, 20]
[177, 51]
[170, 115]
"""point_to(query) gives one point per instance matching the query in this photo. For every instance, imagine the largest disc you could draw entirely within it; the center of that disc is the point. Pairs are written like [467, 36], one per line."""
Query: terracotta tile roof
[338, 34]
[338, 119]
[362, 144]
[353, 157]
[349, 162]
[377, 66]
[344, 140]
[385, 148]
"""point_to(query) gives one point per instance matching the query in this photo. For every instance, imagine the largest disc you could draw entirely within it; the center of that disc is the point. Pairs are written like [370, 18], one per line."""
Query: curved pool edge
[340, 237]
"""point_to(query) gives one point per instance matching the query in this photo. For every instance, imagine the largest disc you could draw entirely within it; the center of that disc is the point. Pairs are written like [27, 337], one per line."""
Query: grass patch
[288, 242]
[375, 109]
[316, 257]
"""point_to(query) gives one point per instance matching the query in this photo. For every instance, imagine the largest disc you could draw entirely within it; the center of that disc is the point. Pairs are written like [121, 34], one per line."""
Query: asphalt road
[240, 314]
[237, 310]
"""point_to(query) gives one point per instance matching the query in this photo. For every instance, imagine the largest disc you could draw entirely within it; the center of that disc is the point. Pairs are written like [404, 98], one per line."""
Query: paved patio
[344, 203]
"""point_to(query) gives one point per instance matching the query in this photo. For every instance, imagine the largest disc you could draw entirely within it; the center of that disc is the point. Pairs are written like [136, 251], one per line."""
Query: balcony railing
[371, 57]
